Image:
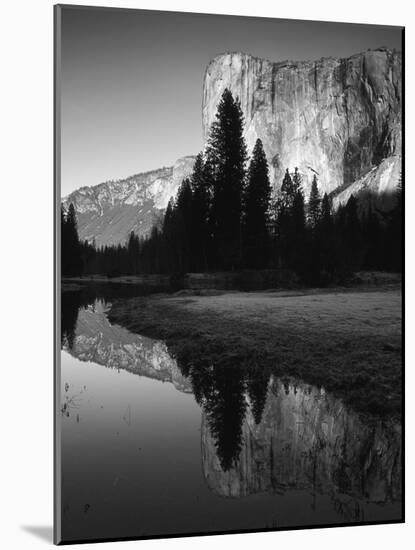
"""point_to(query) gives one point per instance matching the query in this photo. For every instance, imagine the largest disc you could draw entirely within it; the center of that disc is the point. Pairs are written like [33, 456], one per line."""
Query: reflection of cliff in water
[309, 440]
[95, 340]
[80, 296]
[260, 434]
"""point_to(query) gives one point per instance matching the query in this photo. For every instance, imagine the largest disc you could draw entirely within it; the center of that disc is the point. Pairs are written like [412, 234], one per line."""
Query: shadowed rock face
[337, 118]
[112, 346]
[108, 212]
[309, 440]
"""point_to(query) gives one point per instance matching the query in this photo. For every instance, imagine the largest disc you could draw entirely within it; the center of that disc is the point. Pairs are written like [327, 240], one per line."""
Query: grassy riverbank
[348, 341]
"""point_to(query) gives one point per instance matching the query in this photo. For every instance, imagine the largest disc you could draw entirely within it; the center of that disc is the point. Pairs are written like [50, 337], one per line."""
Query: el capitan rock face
[108, 212]
[334, 117]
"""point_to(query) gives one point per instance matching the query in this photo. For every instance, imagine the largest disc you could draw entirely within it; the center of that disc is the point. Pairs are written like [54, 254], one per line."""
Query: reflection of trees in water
[225, 409]
[258, 379]
[222, 390]
[262, 435]
[74, 300]
[309, 441]
[70, 304]
[268, 433]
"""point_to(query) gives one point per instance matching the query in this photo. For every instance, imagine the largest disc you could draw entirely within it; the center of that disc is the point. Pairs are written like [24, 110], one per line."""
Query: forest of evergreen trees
[224, 219]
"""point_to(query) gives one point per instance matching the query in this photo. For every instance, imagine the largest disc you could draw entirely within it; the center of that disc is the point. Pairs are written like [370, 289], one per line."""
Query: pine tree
[226, 156]
[371, 237]
[287, 191]
[326, 242]
[133, 253]
[64, 243]
[201, 184]
[169, 237]
[183, 215]
[349, 243]
[283, 208]
[256, 209]
[70, 245]
[298, 213]
[291, 234]
[326, 220]
[394, 239]
[298, 235]
[297, 180]
[168, 217]
[314, 204]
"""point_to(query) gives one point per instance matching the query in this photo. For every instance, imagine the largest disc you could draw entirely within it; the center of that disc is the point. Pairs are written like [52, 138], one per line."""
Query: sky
[131, 80]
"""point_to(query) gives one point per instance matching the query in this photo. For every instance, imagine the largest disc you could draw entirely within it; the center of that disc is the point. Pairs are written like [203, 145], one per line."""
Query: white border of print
[26, 229]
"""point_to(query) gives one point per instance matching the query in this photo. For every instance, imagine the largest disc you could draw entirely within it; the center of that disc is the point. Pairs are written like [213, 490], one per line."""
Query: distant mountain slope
[108, 212]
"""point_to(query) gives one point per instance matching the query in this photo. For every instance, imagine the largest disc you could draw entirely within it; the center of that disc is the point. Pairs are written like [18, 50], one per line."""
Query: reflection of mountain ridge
[259, 434]
[309, 440]
[96, 340]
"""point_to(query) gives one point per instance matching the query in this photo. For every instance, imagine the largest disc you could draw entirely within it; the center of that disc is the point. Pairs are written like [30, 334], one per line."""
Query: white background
[26, 258]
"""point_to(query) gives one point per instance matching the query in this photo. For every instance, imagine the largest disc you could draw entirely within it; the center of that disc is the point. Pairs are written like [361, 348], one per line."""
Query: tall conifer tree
[297, 180]
[71, 249]
[291, 221]
[314, 204]
[183, 215]
[226, 155]
[395, 229]
[287, 191]
[256, 209]
[201, 184]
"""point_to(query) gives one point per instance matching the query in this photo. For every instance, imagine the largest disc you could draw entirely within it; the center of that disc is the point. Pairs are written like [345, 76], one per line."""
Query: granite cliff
[337, 118]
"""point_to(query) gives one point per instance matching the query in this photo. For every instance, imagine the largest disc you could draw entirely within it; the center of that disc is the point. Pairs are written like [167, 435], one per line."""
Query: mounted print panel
[229, 255]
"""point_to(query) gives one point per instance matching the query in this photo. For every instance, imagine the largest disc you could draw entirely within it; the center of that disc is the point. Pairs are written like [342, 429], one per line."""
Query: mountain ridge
[109, 211]
[338, 118]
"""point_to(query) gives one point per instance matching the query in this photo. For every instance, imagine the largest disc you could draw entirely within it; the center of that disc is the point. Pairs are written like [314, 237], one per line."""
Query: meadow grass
[347, 341]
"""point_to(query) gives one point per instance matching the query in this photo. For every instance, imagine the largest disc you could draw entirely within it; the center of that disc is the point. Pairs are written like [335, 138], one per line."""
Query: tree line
[223, 218]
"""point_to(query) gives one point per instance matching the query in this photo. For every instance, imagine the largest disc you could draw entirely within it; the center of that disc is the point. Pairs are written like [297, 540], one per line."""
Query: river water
[152, 448]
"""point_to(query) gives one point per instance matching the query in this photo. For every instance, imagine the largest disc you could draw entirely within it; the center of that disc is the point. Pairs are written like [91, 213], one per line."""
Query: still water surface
[150, 447]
